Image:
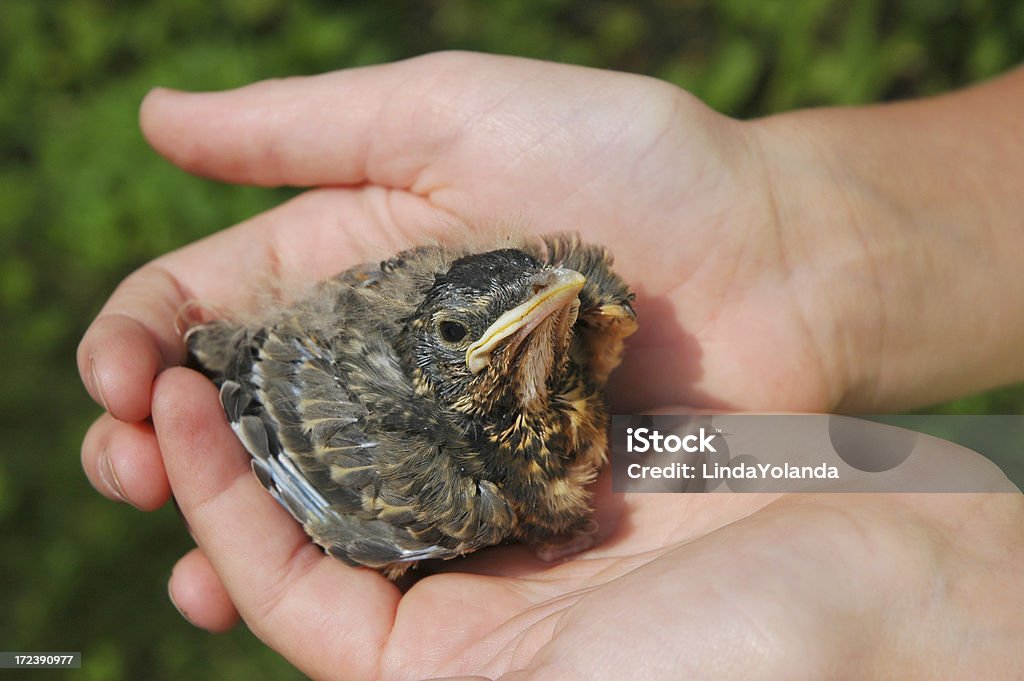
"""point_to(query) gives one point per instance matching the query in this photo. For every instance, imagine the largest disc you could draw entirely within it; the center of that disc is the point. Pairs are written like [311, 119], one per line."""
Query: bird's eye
[452, 332]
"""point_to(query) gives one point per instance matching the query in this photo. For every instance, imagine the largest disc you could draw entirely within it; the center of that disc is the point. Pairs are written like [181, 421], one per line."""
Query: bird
[443, 400]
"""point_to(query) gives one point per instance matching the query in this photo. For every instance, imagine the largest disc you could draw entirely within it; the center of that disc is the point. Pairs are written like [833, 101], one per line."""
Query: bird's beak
[553, 291]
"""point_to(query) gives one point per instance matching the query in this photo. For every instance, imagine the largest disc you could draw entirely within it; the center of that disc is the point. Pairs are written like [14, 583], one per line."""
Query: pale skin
[830, 259]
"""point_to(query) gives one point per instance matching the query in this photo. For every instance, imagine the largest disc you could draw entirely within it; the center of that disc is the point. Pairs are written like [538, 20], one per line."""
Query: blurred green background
[83, 201]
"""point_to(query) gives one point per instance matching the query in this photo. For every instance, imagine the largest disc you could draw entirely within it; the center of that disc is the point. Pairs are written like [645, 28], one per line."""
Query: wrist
[902, 241]
[817, 208]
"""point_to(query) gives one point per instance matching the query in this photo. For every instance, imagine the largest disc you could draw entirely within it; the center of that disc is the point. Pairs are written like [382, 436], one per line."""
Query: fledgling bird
[432, 404]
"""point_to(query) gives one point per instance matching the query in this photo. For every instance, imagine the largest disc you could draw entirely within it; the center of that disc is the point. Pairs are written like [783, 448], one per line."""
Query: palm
[502, 607]
[507, 610]
[754, 587]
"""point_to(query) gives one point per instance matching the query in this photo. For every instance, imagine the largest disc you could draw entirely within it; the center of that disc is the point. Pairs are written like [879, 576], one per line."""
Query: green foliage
[83, 201]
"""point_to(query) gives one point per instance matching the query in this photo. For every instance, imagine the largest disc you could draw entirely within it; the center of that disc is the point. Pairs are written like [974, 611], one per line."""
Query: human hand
[716, 586]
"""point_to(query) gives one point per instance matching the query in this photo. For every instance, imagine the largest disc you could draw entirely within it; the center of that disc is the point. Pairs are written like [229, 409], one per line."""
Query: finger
[122, 461]
[390, 124]
[199, 595]
[134, 336]
[274, 132]
[120, 353]
[319, 613]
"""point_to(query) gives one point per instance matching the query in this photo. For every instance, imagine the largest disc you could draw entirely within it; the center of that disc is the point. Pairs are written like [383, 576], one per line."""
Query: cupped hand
[731, 586]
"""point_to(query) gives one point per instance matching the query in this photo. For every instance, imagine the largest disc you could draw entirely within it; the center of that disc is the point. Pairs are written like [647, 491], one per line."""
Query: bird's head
[493, 331]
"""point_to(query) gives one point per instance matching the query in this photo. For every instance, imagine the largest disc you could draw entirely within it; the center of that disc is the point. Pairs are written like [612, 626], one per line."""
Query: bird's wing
[306, 432]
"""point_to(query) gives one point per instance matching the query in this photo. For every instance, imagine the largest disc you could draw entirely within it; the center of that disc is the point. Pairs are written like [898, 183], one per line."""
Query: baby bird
[432, 404]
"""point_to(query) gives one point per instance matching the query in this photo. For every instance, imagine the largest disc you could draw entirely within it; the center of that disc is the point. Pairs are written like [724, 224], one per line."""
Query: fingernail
[181, 612]
[97, 385]
[109, 477]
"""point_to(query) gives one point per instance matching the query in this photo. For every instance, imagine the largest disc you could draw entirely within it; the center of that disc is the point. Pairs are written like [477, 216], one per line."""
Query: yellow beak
[558, 287]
